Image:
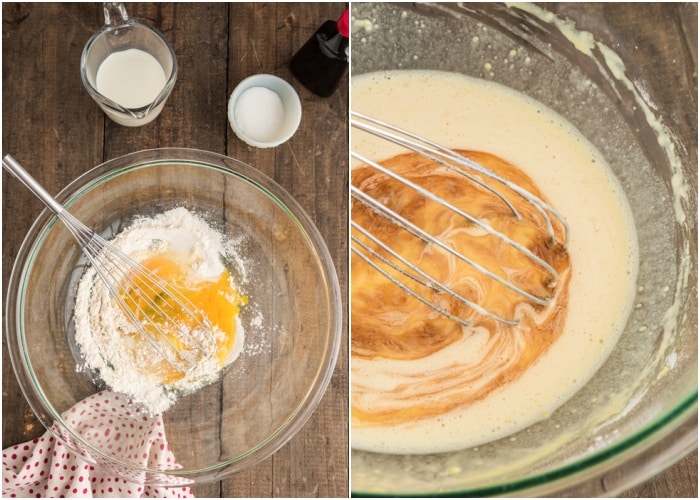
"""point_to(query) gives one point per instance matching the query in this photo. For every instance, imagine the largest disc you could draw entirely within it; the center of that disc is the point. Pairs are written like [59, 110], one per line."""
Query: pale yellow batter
[474, 385]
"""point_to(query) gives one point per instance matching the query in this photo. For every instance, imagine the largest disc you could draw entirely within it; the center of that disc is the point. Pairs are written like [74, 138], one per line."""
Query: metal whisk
[147, 301]
[382, 257]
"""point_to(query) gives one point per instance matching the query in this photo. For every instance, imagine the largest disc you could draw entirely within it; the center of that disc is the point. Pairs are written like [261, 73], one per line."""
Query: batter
[423, 384]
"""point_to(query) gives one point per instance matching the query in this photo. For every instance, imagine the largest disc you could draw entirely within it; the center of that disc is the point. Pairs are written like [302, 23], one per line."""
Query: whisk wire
[427, 238]
[463, 166]
[427, 148]
[371, 203]
[133, 286]
[448, 158]
[423, 278]
[135, 289]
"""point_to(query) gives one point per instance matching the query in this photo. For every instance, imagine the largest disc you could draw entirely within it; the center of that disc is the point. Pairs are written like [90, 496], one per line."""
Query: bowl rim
[34, 238]
[675, 430]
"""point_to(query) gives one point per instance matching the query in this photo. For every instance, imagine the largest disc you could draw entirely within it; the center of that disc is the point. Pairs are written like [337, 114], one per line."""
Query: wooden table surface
[52, 126]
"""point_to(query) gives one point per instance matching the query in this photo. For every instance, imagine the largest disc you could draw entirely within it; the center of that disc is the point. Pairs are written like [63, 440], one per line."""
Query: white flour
[99, 322]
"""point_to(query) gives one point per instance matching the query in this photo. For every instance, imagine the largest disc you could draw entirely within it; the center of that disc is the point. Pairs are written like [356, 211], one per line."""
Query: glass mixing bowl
[293, 325]
[639, 412]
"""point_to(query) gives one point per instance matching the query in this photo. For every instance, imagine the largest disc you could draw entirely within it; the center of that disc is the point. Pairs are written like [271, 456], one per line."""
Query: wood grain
[52, 126]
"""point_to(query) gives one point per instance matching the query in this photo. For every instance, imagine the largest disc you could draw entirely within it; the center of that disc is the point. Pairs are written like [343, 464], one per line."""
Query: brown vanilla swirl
[389, 324]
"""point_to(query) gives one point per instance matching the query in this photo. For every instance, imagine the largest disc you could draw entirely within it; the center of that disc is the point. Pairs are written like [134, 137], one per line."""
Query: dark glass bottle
[322, 61]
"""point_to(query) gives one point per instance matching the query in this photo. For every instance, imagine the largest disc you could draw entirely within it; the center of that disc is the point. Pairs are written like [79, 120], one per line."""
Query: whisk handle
[12, 166]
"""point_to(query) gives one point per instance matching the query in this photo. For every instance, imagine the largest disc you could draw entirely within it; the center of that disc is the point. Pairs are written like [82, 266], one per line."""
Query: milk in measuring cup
[132, 78]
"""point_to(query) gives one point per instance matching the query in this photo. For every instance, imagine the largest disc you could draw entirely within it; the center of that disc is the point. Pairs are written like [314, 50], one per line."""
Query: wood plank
[315, 156]
[195, 114]
[58, 132]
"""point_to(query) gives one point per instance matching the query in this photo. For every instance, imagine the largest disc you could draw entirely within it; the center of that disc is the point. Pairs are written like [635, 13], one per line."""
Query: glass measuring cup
[119, 36]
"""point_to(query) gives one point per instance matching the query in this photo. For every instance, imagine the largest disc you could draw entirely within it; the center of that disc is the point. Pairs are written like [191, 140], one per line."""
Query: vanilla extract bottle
[322, 61]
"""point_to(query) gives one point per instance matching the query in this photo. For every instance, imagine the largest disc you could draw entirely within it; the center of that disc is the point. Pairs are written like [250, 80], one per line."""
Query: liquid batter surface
[389, 323]
[423, 384]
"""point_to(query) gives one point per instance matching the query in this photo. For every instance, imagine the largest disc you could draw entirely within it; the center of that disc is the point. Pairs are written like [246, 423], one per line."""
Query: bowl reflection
[292, 328]
[639, 412]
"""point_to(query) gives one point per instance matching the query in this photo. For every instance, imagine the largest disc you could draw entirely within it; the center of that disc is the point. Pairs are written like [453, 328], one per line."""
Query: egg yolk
[216, 299]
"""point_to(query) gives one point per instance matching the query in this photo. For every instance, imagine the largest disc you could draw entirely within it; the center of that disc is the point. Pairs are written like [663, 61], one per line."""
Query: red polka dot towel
[48, 466]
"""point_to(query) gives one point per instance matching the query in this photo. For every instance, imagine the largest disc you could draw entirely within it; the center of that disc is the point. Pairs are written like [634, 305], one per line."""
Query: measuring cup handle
[115, 14]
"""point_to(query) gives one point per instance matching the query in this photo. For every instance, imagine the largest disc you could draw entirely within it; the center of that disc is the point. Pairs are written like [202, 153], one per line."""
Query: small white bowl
[255, 113]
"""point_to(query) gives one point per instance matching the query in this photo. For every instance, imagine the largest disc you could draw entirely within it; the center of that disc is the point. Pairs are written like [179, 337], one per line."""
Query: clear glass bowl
[639, 413]
[271, 389]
